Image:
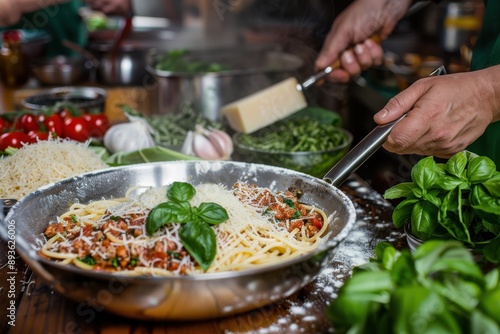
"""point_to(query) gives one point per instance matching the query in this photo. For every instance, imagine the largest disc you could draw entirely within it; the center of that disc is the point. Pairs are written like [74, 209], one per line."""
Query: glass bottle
[14, 69]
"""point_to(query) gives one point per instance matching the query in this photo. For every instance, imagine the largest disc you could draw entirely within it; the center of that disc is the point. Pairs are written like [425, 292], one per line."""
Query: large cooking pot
[248, 70]
[186, 297]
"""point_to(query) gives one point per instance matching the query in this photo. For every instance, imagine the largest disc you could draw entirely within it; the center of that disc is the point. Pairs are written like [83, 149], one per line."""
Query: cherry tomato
[317, 223]
[54, 124]
[14, 139]
[4, 125]
[35, 136]
[98, 124]
[64, 113]
[76, 128]
[27, 122]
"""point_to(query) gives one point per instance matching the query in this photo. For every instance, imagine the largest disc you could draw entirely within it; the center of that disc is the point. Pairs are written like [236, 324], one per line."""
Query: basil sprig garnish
[196, 235]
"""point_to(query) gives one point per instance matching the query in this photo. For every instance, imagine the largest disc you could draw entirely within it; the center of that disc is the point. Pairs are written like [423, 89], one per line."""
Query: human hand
[10, 12]
[352, 28]
[445, 113]
[113, 7]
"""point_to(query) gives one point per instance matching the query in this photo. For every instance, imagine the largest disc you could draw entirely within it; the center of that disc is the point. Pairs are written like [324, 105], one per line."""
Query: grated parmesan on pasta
[44, 162]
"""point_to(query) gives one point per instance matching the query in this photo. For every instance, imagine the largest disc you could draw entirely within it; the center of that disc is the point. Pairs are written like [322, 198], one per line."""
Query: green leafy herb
[459, 199]
[88, 259]
[115, 262]
[438, 289]
[74, 219]
[134, 261]
[196, 234]
[178, 61]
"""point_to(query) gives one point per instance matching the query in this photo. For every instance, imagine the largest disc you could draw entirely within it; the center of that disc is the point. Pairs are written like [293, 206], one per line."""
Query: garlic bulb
[127, 137]
[209, 144]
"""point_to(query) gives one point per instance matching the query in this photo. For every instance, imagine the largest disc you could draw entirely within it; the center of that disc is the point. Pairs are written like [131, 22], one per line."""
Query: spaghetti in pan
[123, 235]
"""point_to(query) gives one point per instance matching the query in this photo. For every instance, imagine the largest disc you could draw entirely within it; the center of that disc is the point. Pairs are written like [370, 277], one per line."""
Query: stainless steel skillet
[176, 298]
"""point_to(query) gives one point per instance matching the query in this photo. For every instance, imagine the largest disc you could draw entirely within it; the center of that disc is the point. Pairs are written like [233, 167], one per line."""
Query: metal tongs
[365, 148]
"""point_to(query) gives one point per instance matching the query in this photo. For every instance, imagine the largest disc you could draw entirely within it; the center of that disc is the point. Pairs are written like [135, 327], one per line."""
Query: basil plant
[458, 199]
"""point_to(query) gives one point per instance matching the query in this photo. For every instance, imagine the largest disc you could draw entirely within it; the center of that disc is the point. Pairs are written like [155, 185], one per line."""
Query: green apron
[487, 53]
[60, 21]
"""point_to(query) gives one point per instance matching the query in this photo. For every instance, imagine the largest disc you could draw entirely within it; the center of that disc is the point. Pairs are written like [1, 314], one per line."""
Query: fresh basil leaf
[212, 213]
[180, 191]
[481, 323]
[168, 212]
[425, 172]
[386, 253]
[424, 219]
[457, 165]
[456, 229]
[433, 196]
[485, 206]
[418, 310]
[200, 242]
[492, 185]
[490, 301]
[400, 190]
[492, 251]
[480, 169]
[402, 212]
[158, 216]
[447, 182]
[403, 271]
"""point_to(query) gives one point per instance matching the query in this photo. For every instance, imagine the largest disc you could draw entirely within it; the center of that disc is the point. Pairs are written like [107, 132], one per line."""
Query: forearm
[492, 79]
[26, 6]
[12, 10]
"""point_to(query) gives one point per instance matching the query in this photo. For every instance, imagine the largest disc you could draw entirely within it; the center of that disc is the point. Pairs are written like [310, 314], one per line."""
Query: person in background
[446, 114]
[170, 9]
[59, 18]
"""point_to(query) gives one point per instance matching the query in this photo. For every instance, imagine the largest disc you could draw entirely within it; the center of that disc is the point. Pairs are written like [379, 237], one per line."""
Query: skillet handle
[365, 148]
[359, 154]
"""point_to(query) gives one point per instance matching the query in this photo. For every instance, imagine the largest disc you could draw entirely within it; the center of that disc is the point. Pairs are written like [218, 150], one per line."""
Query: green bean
[297, 135]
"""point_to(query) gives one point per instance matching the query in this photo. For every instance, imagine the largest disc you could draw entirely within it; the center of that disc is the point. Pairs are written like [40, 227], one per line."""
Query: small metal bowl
[61, 70]
[82, 97]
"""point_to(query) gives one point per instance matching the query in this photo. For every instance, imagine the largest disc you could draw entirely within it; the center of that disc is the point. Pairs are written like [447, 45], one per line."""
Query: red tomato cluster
[65, 123]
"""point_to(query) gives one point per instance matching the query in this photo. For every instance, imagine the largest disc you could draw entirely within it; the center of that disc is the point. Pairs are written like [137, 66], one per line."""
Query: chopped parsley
[88, 259]
[115, 262]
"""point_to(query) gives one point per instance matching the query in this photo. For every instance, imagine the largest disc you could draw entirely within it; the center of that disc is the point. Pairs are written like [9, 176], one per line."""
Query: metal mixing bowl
[83, 97]
[248, 70]
[177, 297]
[61, 70]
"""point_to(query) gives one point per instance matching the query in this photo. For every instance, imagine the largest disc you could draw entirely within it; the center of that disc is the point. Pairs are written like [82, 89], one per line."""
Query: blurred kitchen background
[433, 33]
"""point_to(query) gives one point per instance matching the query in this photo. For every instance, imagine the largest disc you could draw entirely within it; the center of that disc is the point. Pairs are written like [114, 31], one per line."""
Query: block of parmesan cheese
[265, 107]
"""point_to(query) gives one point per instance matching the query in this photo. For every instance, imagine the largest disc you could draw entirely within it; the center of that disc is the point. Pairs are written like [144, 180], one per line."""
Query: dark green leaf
[386, 253]
[180, 191]
[424, 219]
[433, 196]
[457, 164]
[493, 185]
[168, 212]
[485, 206]
[403, 271]
[456, 229]
[400, 190]
[402, 212]
[448, 182]
[158, 216]
[425, 172]
[212, 213]
[480, 169]
[200, 242]
[492, 251]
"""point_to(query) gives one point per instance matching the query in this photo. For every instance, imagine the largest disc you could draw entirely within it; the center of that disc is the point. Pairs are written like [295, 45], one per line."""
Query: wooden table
[41, 310]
